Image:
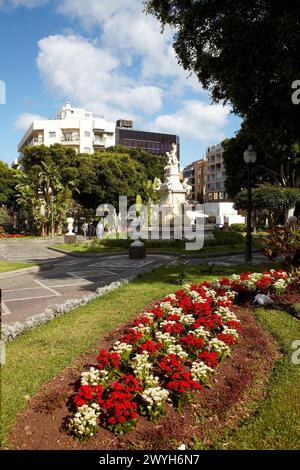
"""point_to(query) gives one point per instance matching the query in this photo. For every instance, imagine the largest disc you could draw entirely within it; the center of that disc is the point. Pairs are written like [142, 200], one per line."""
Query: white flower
[122, 348]
[155, 396]
[94, 377]
[200, 371]
[85, 421]
[218, 346]
[202, 333]
[177, 350]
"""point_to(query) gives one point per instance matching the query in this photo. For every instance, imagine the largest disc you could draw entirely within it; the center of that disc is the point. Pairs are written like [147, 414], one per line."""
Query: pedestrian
[91, 230]
[85, 228]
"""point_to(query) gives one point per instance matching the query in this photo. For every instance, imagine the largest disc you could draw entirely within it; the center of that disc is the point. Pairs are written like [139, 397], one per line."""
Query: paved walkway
[29, 294]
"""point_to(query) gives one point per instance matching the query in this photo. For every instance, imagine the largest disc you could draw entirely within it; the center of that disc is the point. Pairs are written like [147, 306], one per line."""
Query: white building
[73, 127]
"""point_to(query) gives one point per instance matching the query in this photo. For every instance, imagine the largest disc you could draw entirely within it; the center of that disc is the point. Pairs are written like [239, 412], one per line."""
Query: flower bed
[13, 235]
[167, 354]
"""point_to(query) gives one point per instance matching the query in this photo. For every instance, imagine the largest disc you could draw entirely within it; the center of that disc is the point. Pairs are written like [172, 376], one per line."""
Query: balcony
[99, 141]
[70, 138]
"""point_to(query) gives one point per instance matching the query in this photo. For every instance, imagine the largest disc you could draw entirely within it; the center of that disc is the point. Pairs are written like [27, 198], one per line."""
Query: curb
[220, 255]
[103, 255]
[20, 272]
[151, 252]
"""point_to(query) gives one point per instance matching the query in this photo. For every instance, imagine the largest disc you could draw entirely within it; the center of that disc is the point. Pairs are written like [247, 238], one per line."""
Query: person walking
[85, 228]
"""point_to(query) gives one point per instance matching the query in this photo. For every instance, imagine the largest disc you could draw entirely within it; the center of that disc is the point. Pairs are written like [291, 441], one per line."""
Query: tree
[245, 52]
[7, 185]
[276, 164]
[153, 164]
[6, 219]
[273, 201]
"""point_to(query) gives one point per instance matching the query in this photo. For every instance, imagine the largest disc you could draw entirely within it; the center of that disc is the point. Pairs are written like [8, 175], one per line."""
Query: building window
[52, 135]
[87, 134]
[87, 150]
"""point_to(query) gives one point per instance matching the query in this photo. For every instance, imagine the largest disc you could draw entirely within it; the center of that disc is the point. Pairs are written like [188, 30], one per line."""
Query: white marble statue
[70, 222]
[173, 162]
[188, 188]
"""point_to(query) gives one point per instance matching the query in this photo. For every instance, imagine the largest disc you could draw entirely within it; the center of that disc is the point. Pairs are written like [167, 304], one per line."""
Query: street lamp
[250, 157]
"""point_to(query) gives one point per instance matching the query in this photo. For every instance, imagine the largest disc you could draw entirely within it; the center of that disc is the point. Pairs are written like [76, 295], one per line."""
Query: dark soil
[239, 382]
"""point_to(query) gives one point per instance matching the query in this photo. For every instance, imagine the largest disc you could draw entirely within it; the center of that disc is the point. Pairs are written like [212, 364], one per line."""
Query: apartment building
[73, 127]
[152, 142]
[195, 173]
[86, 132]
[215, 175]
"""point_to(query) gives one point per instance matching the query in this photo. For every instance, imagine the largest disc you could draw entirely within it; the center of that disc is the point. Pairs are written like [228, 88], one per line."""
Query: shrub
[283, 246]
[238, 228]
[227, 238]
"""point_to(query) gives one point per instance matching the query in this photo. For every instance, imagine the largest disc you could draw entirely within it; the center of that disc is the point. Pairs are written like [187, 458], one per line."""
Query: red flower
[132, 336]
[174, 329]
[263, 283]
[108, 360]
[211, 359]
[171, 364]
[88, 394]
[183, 382]
[152, 347]
[227, 339]
[191, 342]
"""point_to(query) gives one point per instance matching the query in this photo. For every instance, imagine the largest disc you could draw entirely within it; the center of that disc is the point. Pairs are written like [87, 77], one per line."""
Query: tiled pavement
[30, 293]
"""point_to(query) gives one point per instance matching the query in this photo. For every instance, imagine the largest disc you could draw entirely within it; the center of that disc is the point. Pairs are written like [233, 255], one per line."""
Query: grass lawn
[35, 357]
[275, 424]
[39, 355]
[90, 249]
[6, 266]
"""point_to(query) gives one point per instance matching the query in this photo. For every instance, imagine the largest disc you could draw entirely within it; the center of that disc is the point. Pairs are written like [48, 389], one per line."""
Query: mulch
[238, 382]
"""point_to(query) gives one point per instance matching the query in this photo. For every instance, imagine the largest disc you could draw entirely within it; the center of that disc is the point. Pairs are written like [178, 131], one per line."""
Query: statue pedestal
[70, 239]
[137, 250]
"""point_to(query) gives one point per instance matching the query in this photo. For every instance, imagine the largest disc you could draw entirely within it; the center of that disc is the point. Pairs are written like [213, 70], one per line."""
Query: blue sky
[108, 57]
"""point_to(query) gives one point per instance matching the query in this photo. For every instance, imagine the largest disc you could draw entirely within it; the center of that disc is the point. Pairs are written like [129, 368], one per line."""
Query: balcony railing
[99, 141]
[71, 138]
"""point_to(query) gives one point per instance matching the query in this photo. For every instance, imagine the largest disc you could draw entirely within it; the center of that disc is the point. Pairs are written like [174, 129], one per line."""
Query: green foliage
[5, 218]
[7, 184]
[225, 238]
[275, 200]
[277, 163]
[283, 245]
[238, 50]
[240, 228]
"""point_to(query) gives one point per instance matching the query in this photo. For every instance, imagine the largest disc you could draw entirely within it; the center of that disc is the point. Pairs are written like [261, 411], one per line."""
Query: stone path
[30, 293]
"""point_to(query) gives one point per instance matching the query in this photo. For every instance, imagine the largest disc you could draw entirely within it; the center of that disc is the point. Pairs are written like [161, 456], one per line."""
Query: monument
[173, 197]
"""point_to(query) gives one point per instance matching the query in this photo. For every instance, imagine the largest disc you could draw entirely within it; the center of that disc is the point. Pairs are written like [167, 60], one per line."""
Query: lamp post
[250, 157]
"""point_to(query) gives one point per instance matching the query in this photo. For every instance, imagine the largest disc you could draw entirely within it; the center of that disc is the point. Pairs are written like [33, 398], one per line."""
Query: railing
[99, 141]
[70, 139]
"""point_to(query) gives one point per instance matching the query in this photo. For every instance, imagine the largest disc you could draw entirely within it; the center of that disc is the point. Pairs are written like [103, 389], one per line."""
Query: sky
[109, 57]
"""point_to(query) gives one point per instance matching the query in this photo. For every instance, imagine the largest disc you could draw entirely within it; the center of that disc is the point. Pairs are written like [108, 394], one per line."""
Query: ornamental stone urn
[70, 237]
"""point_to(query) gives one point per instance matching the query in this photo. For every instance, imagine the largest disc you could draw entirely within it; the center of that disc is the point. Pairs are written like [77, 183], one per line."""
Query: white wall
[224, 212]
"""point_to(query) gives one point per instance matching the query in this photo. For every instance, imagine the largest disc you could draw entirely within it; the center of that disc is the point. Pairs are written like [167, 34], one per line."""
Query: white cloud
[24, 120]
[74, 67]
[195, 120]
[129, 32]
